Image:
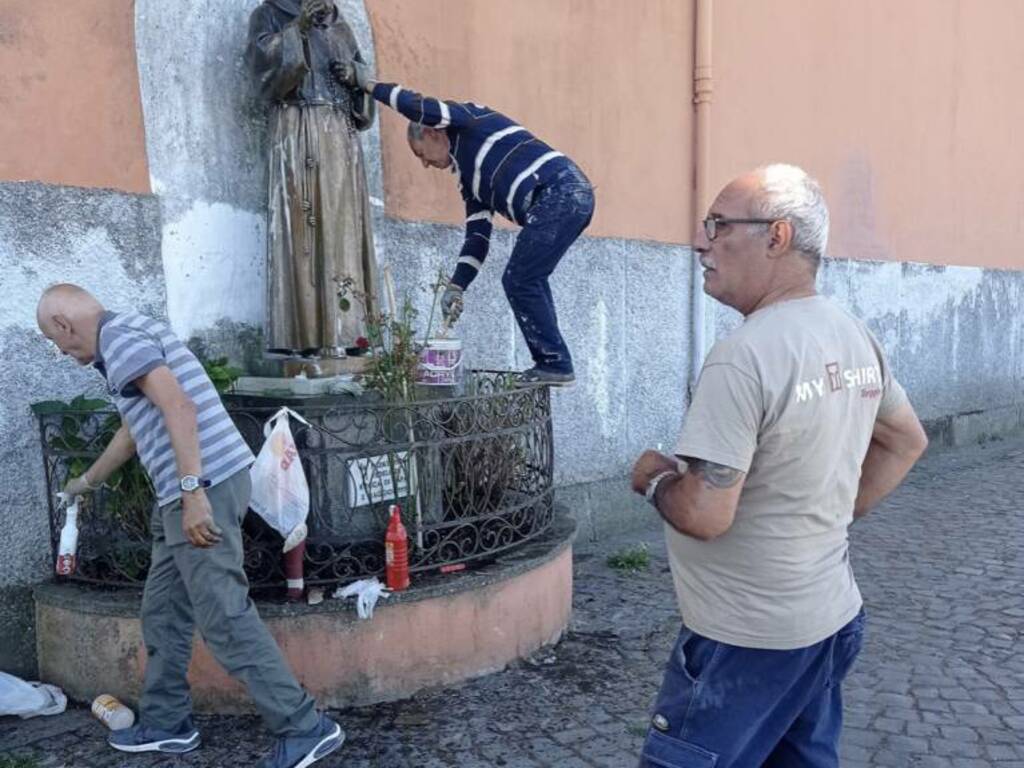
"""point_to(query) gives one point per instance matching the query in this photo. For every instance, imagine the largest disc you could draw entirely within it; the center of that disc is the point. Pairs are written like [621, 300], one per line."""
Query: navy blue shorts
[721, 706]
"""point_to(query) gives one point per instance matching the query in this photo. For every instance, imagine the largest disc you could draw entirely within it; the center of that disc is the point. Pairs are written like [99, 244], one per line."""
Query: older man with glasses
[796, 428]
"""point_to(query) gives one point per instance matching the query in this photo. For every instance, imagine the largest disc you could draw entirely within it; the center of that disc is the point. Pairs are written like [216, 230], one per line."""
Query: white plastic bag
[367, 592]
[280, 493]
[29, 699]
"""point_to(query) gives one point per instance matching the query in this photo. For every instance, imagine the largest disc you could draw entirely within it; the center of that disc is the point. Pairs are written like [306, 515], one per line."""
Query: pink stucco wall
[908, 111]
[606, 82]
[69, 94]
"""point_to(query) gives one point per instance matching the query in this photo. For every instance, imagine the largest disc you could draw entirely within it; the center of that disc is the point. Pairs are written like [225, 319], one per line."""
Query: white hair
[788, 192]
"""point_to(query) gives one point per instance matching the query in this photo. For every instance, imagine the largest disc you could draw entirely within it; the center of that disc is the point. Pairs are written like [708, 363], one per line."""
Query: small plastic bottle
[67, 550]
[112, 713]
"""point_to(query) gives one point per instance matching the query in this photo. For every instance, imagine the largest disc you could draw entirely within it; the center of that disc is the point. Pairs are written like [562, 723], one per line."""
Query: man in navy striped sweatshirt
[501, 167]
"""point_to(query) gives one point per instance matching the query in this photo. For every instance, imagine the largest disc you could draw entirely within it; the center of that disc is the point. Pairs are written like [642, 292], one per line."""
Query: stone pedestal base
[443, 630]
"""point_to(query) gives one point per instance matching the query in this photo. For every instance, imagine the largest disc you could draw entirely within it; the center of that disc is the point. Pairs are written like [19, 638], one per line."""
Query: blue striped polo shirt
[497, 161]
[130, 345]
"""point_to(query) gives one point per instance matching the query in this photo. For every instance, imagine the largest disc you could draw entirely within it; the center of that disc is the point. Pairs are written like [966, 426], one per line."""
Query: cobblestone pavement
[939, 683]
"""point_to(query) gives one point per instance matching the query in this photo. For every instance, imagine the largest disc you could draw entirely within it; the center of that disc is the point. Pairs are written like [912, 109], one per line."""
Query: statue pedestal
[323, 367]
[274, 386]
[313, 367]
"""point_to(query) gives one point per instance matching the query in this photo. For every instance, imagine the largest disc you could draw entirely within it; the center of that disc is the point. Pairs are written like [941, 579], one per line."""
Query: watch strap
[652, 485]
[199, 482]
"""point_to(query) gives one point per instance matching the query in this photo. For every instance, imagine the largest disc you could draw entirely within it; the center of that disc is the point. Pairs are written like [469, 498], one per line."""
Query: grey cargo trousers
[191, 587]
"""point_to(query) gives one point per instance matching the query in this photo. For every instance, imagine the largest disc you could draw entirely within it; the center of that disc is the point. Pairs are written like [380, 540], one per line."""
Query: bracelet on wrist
[655, 483]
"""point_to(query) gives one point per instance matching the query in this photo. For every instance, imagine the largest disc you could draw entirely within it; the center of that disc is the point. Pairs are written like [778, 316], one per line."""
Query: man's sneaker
[140, 738]
[536, 376]
[306, 748]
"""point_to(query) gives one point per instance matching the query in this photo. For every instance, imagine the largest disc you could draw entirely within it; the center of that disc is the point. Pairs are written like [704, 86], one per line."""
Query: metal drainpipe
[702, 91]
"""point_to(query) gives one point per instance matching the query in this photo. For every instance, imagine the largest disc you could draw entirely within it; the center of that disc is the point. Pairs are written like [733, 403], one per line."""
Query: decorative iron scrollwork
[473, 474]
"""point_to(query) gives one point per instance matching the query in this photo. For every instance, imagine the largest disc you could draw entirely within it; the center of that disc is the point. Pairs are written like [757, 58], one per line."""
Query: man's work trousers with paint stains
[559, 212]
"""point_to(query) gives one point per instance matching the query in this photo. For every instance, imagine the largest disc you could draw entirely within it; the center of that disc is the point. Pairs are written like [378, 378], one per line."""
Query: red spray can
[396, 552]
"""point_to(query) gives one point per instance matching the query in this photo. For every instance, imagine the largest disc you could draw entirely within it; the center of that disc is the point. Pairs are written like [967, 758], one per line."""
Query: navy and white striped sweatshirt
[497, 161]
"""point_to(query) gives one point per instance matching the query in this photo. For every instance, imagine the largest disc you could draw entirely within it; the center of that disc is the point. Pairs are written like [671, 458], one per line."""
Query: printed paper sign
[370, 479]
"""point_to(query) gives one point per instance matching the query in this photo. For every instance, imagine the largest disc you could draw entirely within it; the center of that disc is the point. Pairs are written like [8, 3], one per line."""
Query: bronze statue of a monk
[319, 226]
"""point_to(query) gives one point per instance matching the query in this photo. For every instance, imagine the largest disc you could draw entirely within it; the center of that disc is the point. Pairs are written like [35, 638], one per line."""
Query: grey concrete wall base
[604, 509]
[18, 632]
[623, 312]
[974, 426]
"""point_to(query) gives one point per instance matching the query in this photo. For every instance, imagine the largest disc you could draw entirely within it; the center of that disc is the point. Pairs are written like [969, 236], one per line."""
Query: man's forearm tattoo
[714, 475]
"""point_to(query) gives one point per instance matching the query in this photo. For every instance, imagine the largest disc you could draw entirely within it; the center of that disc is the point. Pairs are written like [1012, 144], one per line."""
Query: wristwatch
[652, 486]
[190, 483]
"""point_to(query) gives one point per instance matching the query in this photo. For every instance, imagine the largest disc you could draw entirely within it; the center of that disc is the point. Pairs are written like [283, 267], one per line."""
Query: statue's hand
[353, 73]
[343, 73]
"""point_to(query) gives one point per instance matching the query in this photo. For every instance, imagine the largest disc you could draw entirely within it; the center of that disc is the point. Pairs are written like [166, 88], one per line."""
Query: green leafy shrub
[85, 430]
[221, 373]
[631, 559]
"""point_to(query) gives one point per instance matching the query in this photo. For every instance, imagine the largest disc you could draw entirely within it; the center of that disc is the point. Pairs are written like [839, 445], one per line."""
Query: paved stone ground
[940, 682]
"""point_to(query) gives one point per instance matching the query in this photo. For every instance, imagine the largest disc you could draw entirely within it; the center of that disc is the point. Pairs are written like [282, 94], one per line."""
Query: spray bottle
[67, 550]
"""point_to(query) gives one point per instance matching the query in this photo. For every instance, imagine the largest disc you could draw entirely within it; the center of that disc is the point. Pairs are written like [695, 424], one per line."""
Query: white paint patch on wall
[867, 290]
[214, 266]
[204, 140]
[934, 291]
[112, 286]
[597, 369]
[875, 288]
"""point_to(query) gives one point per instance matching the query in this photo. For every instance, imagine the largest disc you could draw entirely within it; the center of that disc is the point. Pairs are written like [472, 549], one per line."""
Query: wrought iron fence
[472, 473]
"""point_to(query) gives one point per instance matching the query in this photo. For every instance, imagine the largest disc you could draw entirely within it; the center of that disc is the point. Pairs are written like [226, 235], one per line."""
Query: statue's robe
[319, 226]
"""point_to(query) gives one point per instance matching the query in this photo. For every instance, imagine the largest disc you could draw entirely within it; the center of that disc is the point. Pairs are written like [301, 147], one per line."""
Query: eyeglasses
[712, 223]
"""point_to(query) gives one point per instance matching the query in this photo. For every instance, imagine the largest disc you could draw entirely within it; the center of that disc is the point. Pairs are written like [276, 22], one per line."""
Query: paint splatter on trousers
[559, 213]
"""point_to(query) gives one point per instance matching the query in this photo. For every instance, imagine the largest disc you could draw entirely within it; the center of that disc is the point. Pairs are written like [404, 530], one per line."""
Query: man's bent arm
[702, 501]
[476, 244]
[179, 412]
[425, 110]
[120, 449]
[897, 442]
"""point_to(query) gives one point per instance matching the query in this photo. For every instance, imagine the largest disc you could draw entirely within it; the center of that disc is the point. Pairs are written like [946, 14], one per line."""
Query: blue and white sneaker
[306, 748]
[140, 738]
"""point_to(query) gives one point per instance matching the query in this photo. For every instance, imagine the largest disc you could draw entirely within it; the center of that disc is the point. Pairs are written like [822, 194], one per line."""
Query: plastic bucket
[441, 362]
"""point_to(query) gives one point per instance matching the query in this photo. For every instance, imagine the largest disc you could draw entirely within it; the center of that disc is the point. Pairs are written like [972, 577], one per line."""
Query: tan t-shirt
[790, 398]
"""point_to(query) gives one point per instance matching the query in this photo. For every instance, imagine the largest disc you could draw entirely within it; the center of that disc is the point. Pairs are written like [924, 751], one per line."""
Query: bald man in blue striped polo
[173, 419]
[501, 168]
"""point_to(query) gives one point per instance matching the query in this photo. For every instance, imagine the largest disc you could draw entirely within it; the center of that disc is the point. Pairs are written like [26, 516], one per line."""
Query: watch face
[189, 483]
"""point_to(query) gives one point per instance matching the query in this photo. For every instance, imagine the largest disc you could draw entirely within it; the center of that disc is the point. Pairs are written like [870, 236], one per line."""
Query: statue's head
[430, 145]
